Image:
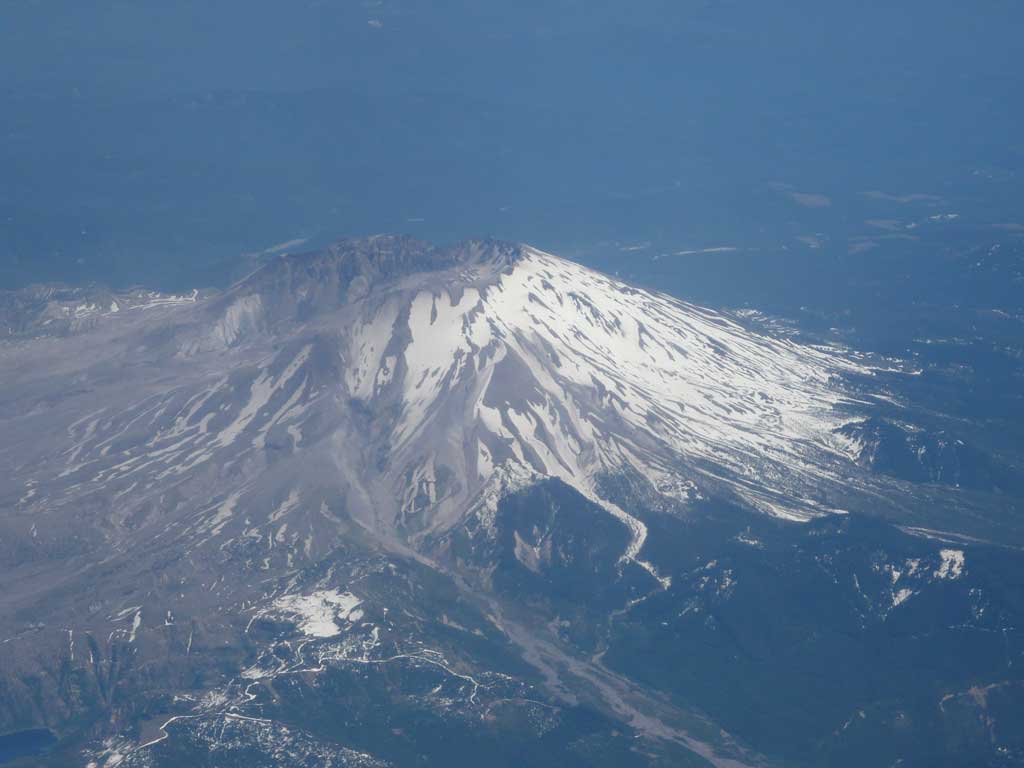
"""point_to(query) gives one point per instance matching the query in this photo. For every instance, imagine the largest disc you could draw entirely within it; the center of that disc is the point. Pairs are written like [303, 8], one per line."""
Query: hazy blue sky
[155, 141]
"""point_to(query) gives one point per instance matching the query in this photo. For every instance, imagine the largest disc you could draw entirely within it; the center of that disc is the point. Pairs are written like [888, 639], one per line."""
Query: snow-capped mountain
[462, 463]
[394, 385]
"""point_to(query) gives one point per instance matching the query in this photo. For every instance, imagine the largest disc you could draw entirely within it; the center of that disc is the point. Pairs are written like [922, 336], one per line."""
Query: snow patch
[952, 565]
[901, 596]
[318, 614]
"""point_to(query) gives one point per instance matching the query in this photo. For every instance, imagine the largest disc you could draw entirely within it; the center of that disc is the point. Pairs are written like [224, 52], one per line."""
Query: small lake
[35, 741]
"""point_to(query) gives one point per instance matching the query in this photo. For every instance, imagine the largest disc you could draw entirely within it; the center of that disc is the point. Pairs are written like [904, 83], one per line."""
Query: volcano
[388, 454]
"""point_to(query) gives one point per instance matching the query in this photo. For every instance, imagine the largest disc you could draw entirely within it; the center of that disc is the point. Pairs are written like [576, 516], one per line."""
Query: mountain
[395, 504]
